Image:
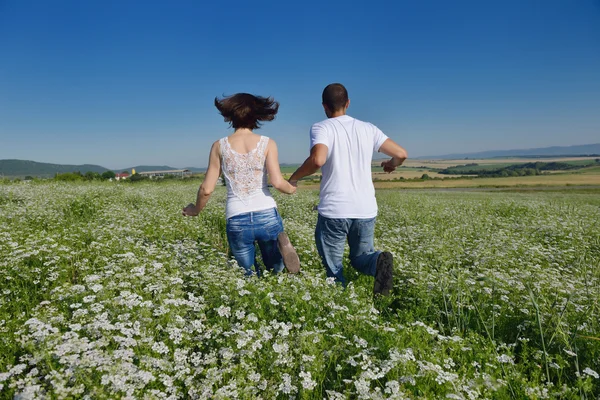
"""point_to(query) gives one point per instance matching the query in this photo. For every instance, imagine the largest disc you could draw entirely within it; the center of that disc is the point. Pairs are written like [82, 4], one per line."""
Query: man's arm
[209, 183]
[394, 150]
[317, 158]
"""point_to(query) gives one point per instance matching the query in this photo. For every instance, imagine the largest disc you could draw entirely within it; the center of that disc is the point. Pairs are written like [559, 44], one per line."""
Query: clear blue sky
[122, 83]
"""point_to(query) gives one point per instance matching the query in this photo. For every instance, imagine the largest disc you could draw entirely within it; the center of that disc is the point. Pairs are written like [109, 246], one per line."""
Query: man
[343, 147]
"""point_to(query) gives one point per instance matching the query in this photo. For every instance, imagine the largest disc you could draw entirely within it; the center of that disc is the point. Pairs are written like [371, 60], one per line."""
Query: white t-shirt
[347, 187]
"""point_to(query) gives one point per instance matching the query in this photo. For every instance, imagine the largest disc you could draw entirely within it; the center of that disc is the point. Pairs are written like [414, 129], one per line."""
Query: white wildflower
[505, 359]
[224, 311]
[254, 377]
[160, 348]
[591, 372]
[307, 382]
[286, 386]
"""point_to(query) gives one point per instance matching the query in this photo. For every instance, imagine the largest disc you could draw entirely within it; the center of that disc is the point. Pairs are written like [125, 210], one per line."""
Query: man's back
[342, 147]
[347, 188]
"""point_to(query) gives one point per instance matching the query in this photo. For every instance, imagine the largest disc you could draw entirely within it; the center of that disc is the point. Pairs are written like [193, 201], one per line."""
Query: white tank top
[246, 179]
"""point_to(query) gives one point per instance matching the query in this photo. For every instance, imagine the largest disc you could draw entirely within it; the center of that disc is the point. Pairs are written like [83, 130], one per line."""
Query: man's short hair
[335, 96]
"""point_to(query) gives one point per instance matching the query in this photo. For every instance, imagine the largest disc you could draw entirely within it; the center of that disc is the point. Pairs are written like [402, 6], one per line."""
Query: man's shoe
[290, 257]
[384, 280]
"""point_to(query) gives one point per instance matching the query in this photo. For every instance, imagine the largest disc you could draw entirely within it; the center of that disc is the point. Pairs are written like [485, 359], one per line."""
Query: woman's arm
[210, 181]
[275, 172]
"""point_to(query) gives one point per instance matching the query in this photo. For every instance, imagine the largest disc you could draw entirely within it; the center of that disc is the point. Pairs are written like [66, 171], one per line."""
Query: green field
[289, 169]
[108, 292]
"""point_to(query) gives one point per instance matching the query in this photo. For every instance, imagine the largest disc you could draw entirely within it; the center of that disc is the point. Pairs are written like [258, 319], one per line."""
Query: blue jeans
[258, 226]
[331, 235]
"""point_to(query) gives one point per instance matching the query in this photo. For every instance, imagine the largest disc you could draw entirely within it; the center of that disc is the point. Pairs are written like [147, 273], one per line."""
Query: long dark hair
[244, 110]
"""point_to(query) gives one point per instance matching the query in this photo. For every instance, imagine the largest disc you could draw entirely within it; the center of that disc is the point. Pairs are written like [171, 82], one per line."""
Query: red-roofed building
[121, 175]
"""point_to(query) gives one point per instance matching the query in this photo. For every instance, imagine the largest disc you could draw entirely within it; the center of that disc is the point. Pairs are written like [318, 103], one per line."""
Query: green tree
[108, 175]
[69, 176]
[91, 176]
[138, 178]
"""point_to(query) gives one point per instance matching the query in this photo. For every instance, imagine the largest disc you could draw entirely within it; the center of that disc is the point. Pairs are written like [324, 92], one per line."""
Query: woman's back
[243, 164]
[243, 144]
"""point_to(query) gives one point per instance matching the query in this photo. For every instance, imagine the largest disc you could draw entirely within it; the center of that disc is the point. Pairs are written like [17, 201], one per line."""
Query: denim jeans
[259, 226]
[331, 235]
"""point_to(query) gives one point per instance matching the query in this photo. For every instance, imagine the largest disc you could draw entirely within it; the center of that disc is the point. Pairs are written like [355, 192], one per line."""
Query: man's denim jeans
[331, 235]
[260, 226]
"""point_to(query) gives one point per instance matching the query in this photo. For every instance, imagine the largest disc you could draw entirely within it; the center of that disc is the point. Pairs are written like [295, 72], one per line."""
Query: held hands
[190, 210]
[294, 185]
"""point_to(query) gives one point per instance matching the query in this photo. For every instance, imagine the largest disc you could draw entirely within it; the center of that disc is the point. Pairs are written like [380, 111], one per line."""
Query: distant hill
[22, 168]
[555, 151]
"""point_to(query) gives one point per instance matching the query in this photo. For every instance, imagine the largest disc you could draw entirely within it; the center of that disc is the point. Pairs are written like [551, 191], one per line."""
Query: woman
[244, 158]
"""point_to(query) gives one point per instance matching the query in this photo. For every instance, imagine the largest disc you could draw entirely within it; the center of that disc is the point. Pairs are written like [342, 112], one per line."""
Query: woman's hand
[190, 210]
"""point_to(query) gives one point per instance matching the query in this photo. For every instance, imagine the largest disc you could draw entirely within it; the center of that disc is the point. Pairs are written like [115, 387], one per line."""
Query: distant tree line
[525, 169]
[107, 175]
[88, 176]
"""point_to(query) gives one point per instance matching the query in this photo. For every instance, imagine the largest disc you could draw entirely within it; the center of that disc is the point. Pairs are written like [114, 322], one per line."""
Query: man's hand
[391, 164]
[398, 154]
[388, 166]
[293, 183]
[190, 210]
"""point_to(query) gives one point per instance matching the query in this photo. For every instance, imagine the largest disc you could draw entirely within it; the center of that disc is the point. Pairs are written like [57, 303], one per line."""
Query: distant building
[160, 174]
[121, 175]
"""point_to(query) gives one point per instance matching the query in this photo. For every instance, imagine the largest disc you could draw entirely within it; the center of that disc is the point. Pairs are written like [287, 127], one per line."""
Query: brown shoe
[290, 257]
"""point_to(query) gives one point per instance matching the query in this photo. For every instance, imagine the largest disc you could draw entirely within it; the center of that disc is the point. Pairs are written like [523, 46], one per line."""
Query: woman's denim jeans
[259, 226]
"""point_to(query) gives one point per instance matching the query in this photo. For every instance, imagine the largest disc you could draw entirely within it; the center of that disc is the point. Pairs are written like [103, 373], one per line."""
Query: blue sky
[123, 83]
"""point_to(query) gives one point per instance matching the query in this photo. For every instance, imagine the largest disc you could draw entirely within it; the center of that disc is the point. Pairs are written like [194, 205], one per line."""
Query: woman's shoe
[290, 257]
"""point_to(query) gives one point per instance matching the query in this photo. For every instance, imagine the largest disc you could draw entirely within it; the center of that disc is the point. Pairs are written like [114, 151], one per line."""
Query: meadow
[108, 292]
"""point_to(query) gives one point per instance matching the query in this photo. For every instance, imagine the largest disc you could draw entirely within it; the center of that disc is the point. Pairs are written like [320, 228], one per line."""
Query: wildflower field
[108, 292]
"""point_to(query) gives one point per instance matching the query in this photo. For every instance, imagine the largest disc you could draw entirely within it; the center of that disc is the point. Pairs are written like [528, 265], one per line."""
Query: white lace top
[246, 179]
